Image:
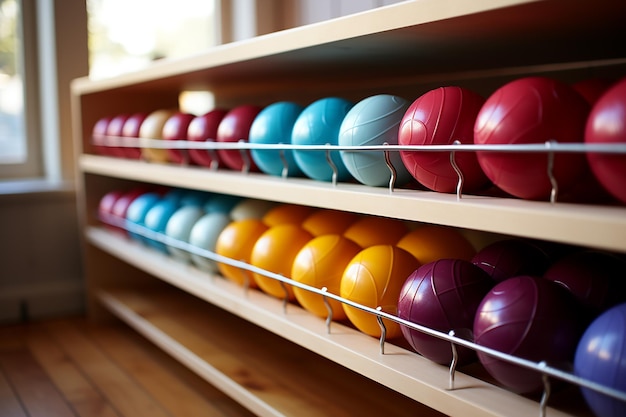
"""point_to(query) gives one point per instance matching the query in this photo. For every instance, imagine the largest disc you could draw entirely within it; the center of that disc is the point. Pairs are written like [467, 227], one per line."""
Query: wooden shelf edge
[600, 227]
[398, 369]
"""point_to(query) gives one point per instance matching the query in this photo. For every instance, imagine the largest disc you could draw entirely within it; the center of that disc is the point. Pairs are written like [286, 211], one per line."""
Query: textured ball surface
[440, 117]
[273, 125]
[371, 230]
[374, 278]
[601, 358]
[203, 128]
[527, 317]
[319, 124]
[373, 121]
[204, 235]
[507, 258]
[235, 127]
[320, 263]
[430, 243]
[236, 242]
[531, 110]
[275, 251]
[607, 124]
[443, 295]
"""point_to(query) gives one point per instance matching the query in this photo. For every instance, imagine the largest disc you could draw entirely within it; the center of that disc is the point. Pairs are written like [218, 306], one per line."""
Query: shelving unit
[403, 49]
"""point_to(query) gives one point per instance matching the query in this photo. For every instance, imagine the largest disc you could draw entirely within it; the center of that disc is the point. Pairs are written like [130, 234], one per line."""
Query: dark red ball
[507, 258]
[531, 318]
[235, 127]
[201, 129]
[439, 117]
[131, 129]
[442, 295]
[526, 111]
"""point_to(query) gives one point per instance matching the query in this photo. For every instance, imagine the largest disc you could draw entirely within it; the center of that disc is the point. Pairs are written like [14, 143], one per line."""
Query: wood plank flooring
[75, 368]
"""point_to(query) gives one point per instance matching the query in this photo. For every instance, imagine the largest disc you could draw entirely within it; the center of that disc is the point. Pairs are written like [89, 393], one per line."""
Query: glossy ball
[275, 251]
[251, 208]
[607, 124]
[221, 203]
[592, 88]
[204, 235]
[273, 125]
[236, 242]
[527, 317]
[374, 278]
[320, 263]
[131, 129]
[531, 110]
[203, 128]
[319, 124]
[374, 121]
[235, 127]
[175, 128]
[508, 258]
[105, 207]
[120, 207]
[430, 243]
[443, 295]
[327, 222]
[157, 217]
[601, 358]
[136, 213]
[152, 128]
[179, 227]
[372, 230]
[287, 213]
[115, 129]
[440, 117]
[98, 134]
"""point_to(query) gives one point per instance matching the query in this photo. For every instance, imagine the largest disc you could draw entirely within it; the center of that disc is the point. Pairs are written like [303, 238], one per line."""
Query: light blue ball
[273, 125]
[137, 210]
[318, 124]
[221, 203]
[374, 121]
[204, 234]
[179, 227]
[157, 217]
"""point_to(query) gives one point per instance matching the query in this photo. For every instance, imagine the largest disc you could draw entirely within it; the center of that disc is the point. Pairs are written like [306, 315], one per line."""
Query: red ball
[120, 207]
[131, 130]
[201, 129]
[607, 124]
[115, 128]
[440, 117]
[531, 110]
[443, 295]
[531, 318]
[511, 257]
[175, 128]
[592, 88]
[235, 127]
[594, 277]
[99, 133]
[105, 206]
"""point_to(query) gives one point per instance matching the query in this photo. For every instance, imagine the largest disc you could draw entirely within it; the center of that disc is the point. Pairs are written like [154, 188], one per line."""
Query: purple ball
[442, 295]
[512, 257]
[601, 357]
[531, 318]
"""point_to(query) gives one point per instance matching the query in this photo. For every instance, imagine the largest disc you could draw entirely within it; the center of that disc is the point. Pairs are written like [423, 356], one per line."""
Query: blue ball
[318, 124]
[274, 125]
[374, 121]
[221, 203]
[137, 211]
[156, 219]
[204, 234]
[601, 357]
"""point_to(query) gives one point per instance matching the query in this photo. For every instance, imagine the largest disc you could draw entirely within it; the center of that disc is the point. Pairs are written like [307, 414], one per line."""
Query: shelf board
[602, 227]
[266, 374]
[399, 369]
[412, 37]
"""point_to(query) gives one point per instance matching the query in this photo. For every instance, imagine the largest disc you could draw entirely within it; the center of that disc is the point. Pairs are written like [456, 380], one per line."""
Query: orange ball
[287, 213]
[374, 278]
[274, 252]
[236, 242]
[370, 230]
[430, 243]
[328, 222]
[320, 263]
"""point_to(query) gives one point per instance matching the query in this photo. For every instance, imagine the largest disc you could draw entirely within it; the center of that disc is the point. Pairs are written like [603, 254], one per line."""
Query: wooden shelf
[398, 369]
[601, 227]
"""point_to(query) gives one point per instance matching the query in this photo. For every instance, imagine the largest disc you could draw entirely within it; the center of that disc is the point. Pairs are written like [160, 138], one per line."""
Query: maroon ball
[531, 318]
[511, 257]
[235, 127]
[442, 295]
[131, 129]
[595, 278]
[201, 129]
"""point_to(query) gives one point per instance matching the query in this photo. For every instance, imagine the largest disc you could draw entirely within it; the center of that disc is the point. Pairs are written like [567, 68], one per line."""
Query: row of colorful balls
[532, 110]
[528, 299]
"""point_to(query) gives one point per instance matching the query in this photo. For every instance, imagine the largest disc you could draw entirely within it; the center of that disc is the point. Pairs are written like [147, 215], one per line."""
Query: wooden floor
[72, 367]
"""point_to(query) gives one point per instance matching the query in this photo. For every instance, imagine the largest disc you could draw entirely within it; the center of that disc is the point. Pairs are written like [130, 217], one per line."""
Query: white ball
[204, 234]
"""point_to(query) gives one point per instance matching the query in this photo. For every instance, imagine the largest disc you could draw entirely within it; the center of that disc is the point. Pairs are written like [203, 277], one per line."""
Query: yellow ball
[370, 230]
[430, 243]
[374, 278]
[287, 213]
[328, 222]
[152, 128]
[274, 252]
[236, 242]
[320, 263]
